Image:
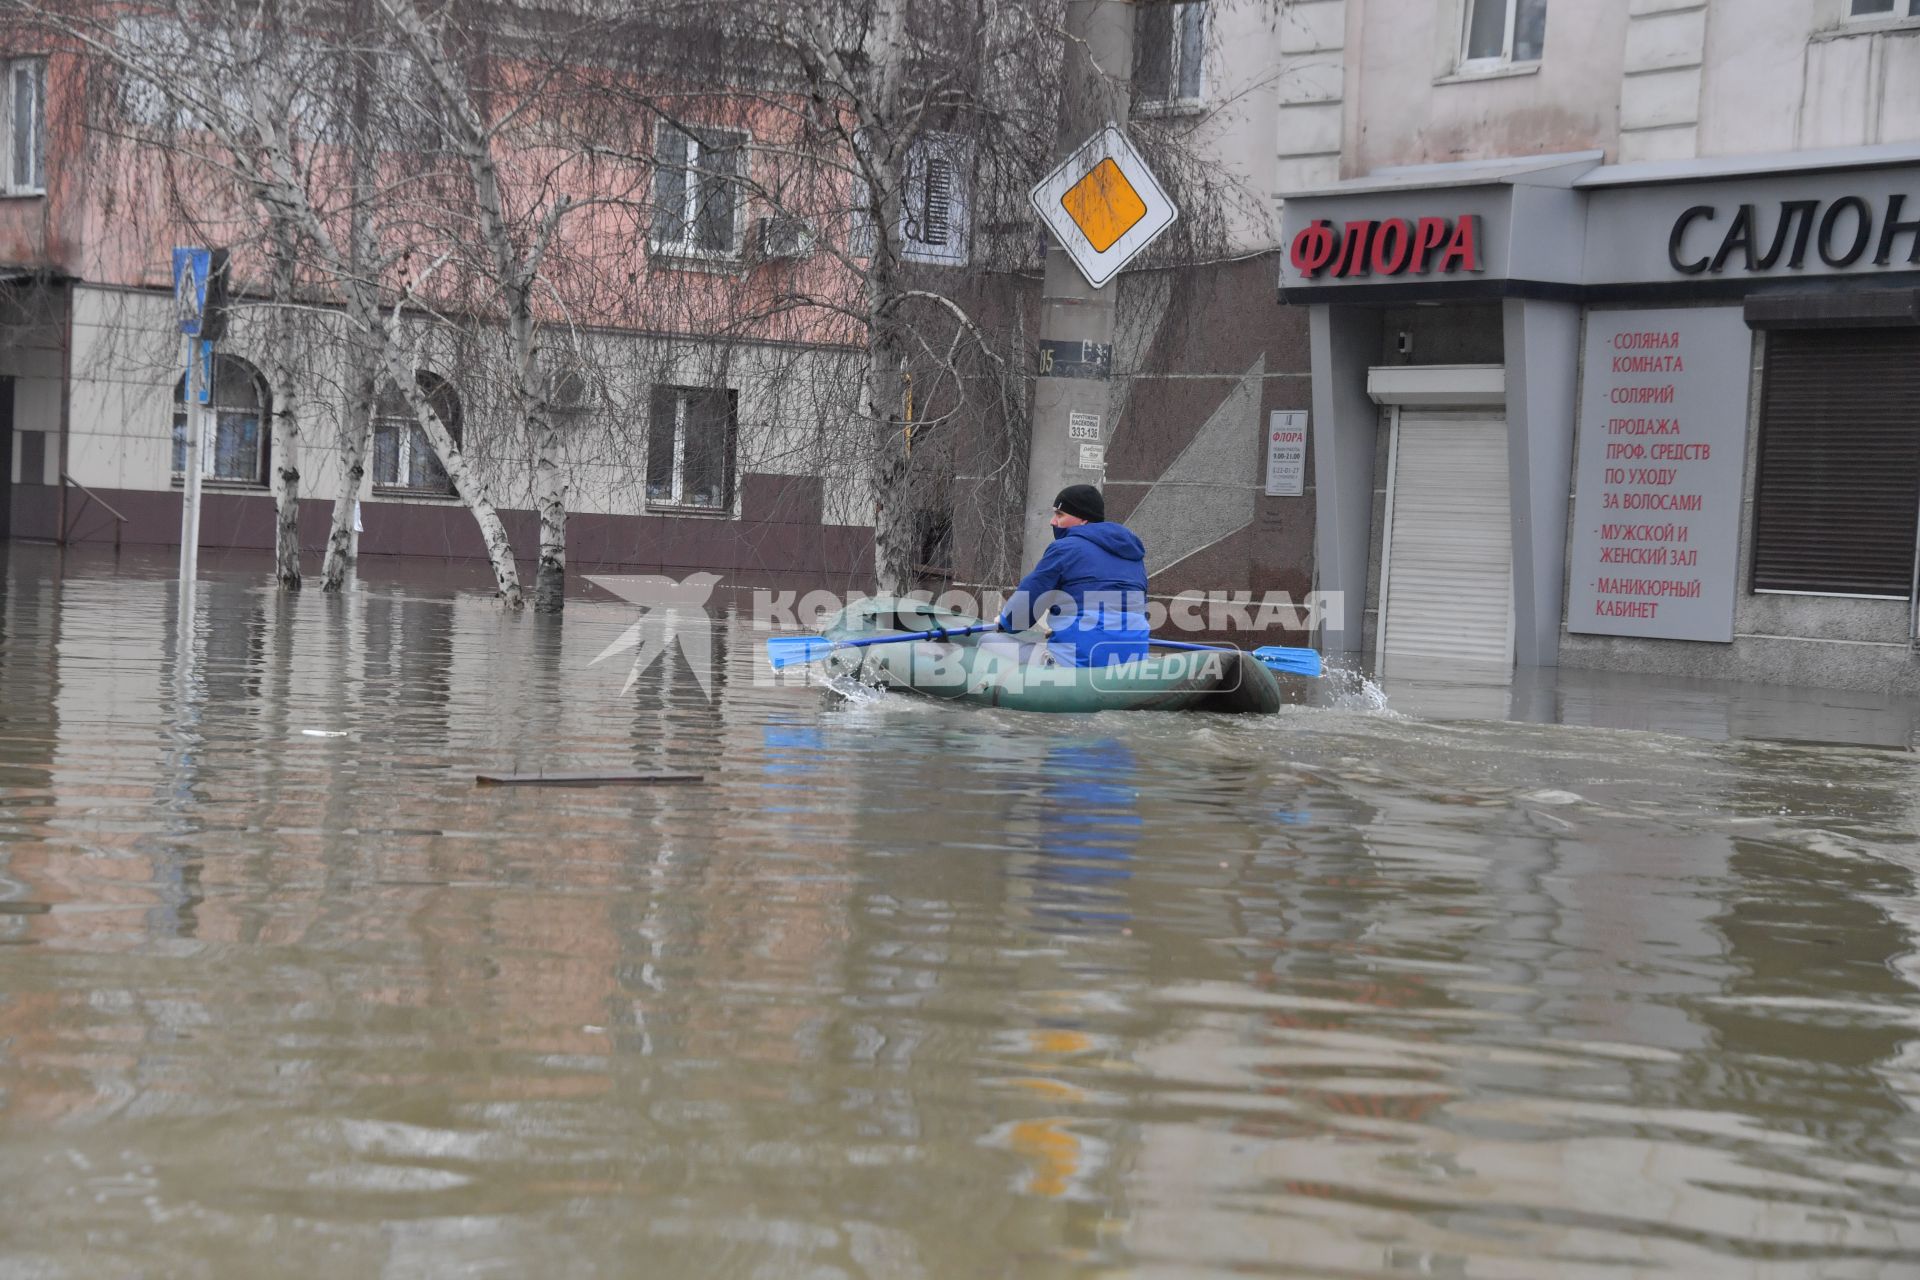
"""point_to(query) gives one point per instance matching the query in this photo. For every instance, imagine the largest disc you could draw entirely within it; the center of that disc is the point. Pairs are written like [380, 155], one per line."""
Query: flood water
[1589, 978]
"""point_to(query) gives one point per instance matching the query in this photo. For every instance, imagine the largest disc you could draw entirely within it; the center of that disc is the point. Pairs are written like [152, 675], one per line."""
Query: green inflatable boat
[995, 670]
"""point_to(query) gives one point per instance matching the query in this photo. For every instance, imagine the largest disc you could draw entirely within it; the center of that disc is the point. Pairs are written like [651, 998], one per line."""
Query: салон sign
[1389, 247]
[1840, 235]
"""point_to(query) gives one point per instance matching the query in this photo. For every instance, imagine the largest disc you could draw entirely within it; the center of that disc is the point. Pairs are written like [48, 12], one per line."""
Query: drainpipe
[66, 404]
[1913, 597]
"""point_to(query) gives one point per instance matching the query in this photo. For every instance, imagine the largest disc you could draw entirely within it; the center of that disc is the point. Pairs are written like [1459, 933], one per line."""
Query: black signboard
[1075, 359]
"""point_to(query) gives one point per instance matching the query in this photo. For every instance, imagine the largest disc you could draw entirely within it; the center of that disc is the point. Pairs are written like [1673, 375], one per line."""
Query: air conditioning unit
[780, 235]
[570, 390]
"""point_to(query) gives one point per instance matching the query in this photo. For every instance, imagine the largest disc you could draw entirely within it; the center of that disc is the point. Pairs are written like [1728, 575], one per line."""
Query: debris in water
[578, 779]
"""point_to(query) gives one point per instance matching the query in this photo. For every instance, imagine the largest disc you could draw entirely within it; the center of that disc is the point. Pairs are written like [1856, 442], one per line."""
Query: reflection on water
[909, 989]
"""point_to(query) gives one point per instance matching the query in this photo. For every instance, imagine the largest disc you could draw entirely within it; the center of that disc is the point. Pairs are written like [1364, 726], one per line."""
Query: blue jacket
[1092, 586]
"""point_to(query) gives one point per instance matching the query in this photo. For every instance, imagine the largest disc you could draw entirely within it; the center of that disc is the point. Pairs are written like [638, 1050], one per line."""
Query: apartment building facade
[1615, 312]
[684, 446]
[713, 457]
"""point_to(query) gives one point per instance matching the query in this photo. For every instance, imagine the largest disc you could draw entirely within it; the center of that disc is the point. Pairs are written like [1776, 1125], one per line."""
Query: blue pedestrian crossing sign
[191, 269]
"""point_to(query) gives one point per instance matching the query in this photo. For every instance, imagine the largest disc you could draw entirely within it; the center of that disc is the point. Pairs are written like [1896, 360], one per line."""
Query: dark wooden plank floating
[580, 779]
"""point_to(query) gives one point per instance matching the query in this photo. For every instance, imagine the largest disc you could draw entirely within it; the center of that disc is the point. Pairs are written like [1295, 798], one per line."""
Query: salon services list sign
[1663, 436]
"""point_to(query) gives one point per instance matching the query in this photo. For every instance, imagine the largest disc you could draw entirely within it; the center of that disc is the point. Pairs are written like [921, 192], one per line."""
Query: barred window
[232, 447]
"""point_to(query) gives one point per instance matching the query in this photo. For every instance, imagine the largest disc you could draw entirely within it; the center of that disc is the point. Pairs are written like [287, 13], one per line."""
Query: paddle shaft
[938, 633]
[787, 651]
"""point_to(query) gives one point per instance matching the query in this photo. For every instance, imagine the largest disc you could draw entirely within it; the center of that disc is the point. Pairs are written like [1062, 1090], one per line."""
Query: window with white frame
[1169, 50]
[403, 457]
[697, 187]
[690, 446]
[1503, 32]
[936, 219]
[1884, 9]
[25, 116]
[232, 447]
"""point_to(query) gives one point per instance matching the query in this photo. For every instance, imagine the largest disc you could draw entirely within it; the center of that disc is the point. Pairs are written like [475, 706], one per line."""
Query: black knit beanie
[1082, 500]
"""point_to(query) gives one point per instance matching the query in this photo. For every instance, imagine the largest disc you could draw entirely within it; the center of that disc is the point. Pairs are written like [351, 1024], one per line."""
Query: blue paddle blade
[790, 651]
[1299, 662]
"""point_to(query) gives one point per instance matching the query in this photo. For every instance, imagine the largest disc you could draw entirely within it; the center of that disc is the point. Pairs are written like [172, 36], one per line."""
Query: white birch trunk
[282, 189]
[514, 277]
[355, 432]
[282, 377]
[471, 487]
[355, 436]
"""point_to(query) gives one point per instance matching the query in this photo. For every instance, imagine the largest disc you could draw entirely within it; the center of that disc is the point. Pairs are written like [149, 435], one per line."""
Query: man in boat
[1090, 587]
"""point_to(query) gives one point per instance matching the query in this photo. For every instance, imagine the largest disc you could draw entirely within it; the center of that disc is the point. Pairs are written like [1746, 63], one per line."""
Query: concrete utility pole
[195, 375]
[1076, 320]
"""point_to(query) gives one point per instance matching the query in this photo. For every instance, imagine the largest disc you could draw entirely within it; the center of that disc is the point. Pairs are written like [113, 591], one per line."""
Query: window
[403, 458]
[1169, 44]
[25, 116]
[1837, 485]
[935, 220]
[1504, 31]
[690, 439]
[231, 447]
[1885, 9]
[153, 46]
[404, 111]
[696, 192]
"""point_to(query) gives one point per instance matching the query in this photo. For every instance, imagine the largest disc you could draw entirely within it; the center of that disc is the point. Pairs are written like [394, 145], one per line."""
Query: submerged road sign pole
[199, 303]
[190, 474]
[1103, 207]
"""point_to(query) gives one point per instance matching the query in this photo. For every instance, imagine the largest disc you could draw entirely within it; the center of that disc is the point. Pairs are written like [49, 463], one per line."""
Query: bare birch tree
[905, 135]
[254, 122]
[520, 268]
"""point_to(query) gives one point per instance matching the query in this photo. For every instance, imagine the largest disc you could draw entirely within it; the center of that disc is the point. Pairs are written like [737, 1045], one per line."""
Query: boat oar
[788, 651]
[1295, 662]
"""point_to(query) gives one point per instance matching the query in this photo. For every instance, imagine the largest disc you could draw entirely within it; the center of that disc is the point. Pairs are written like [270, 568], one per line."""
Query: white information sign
[1663, 442]
[1286, 453]
[1093, 457]
[1083, 426]
[1103, 205]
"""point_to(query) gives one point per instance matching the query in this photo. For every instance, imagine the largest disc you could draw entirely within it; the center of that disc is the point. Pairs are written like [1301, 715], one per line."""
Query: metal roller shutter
[1838, 487]
[1448, 590]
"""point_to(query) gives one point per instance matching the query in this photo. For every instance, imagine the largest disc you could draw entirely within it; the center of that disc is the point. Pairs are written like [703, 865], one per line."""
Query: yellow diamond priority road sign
[1103, 205]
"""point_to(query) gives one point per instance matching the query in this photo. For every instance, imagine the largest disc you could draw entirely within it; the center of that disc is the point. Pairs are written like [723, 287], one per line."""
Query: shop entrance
[1446, 590]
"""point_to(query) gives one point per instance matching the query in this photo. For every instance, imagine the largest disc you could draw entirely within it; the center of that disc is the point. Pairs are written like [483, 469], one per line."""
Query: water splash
[852, 690]
[1350, 690]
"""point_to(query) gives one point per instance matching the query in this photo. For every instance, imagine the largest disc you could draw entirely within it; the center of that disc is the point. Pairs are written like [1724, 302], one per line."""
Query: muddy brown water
[1586, 978]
